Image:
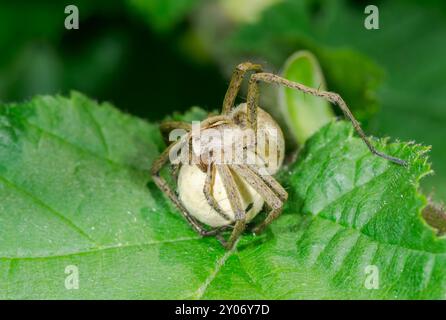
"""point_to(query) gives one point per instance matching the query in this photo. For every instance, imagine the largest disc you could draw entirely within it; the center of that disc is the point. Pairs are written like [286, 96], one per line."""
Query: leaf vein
[42, 204]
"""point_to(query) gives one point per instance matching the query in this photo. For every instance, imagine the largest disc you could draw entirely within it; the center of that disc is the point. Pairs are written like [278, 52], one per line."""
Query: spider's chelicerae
[226, 195]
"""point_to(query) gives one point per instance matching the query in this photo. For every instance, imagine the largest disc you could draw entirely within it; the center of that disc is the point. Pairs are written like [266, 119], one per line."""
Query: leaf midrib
[49, 209]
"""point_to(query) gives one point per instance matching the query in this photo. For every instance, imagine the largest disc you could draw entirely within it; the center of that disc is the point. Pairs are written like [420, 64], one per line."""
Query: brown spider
[240, 187]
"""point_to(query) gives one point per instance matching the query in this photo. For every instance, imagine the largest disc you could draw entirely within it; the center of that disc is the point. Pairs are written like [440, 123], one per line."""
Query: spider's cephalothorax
[228, 178]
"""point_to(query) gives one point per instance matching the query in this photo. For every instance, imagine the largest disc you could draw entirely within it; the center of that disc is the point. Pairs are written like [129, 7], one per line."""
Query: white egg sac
[191, 182]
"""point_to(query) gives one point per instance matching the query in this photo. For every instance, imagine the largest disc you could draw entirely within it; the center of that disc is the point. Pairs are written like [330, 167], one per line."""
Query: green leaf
[374, 213]
[75, 190]
[304, 114]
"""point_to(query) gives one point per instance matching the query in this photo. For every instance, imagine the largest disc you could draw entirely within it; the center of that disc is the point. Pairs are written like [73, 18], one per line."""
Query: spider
[227, 196]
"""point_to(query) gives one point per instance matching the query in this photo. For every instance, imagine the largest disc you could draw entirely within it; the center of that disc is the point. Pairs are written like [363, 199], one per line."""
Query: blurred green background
[153, 57]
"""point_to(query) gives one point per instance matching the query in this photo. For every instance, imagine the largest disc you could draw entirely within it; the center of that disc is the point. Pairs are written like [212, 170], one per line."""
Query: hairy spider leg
[253, 97]
[271, 182]
[236, 82]
[272, 199]
[167, 126]
[235, 201]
